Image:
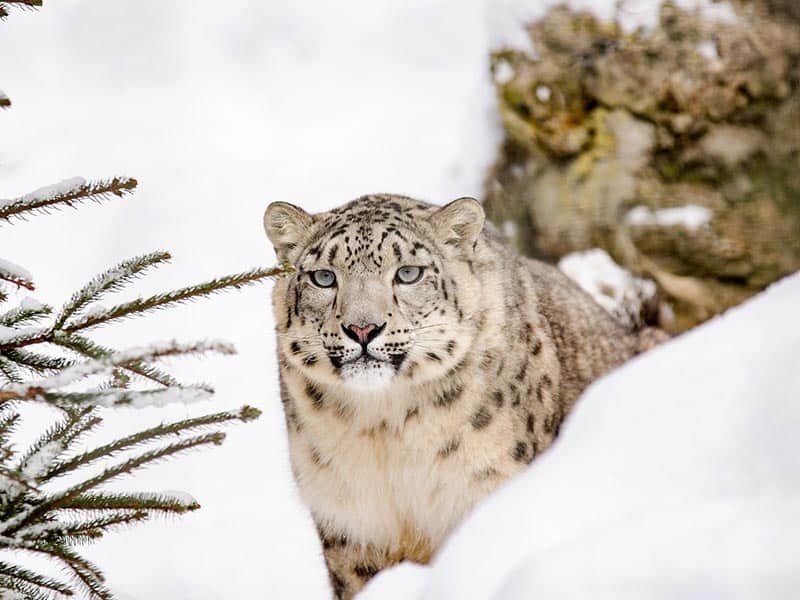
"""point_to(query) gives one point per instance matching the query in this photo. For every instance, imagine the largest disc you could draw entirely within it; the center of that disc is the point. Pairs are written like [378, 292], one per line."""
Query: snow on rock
[690, 216]
[615, 289]
[676, 476]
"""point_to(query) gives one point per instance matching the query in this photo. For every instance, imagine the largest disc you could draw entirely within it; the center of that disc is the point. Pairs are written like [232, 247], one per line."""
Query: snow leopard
[422, 364]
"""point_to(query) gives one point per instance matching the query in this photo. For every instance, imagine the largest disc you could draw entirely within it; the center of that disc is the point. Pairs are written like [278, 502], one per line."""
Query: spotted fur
[476, 364]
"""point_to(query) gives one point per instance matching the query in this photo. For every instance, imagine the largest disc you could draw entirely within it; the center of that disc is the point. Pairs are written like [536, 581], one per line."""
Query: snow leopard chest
[402, 490]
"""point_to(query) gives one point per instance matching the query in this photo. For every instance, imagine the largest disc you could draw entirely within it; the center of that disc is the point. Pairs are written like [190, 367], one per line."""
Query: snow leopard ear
[459, 223]
[288, 228]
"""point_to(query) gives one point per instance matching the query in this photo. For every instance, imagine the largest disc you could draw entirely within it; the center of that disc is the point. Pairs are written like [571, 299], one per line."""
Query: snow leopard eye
[323, 278]
[408, 274]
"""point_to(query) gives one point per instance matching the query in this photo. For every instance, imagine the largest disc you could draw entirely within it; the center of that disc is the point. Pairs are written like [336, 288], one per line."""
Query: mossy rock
[676, 150]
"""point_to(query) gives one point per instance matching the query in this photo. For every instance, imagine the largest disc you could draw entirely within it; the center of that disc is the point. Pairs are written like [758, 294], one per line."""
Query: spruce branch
[60, 499]
[141, 306]
[152, 502]
[65, 193]
[112, 280]
[34, 579]
[38, 363]
[244, 414]
[29, 311]
[86, 347]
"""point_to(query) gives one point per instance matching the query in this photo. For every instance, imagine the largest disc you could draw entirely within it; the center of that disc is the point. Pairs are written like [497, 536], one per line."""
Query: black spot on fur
[451, 346]
[530, 423]
[411, 413]
[520, 452]
[481, 418]
[498, 398]
[332, 253]
[486, 473]
[450, 447]
[295, 348]
[365, 571]
[310, 360]
[396, 250]
[315, 394]
[338, 585]
[434, 357]
[544, 384]
[448, 396]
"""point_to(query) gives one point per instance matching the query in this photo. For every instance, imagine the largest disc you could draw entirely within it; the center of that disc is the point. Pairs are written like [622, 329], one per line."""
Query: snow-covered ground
[220, 108]
[676, 476]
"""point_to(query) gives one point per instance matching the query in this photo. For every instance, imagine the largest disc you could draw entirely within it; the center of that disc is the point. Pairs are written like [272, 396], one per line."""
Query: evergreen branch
[65, 193]
[116, 397]
[27, 312]
[25, 3]
[88, 574]
[16, 572]
[22, 590]
[81, 530]
[65, 497]
[8, 423]
[19, 480]
[41, 390]
[112, 280]
[244, 414]
[152, 502]
[142, 305]
[4, 101]
[87, 347]
[52, 443]
[3, 296]
[38, 363]
[10, 372]
[15, 338]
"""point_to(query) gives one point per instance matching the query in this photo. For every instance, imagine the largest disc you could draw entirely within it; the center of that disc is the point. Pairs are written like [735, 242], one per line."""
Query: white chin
[367, 376]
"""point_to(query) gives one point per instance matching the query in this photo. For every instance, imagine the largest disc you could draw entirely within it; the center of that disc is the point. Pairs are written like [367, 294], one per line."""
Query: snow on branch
[24, 4]
[14, 274]
[65, 193]
[46, 389]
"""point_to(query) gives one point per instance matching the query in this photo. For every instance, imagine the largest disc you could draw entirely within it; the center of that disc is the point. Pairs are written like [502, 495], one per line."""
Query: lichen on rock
[623, 141]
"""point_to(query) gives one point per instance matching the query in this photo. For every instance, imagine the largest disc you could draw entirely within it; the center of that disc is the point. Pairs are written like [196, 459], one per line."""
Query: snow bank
[677, 475]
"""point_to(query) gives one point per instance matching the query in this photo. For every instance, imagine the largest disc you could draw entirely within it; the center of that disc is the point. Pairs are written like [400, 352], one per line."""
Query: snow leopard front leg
[351, 566]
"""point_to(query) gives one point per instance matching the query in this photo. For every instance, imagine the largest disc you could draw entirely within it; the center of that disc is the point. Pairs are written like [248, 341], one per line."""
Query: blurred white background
[218, 108]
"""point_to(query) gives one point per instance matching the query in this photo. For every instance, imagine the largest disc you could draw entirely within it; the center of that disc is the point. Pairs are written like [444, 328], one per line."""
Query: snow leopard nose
[363, 335]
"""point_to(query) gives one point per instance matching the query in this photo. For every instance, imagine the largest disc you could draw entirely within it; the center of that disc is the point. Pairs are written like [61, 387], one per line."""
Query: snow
[31, 304]
[14, 271]
[39, 462]
[676, 476]
[48, 191]
[612, 287]
[690, 216]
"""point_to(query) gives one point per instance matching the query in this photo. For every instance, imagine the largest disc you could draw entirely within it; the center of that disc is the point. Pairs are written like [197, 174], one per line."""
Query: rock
[675, 150]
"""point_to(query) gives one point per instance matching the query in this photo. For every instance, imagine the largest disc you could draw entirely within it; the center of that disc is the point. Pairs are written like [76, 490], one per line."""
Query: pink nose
[363, 335]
